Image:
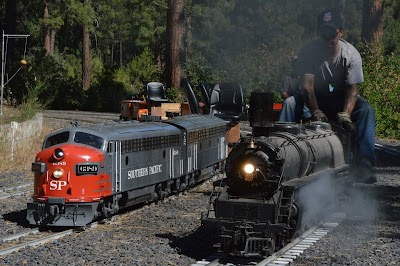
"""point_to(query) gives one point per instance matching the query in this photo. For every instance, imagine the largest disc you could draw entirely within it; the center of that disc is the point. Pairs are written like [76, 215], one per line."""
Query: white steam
[325, 197]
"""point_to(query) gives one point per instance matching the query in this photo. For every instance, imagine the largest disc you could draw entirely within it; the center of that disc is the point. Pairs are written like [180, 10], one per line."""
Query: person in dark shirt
[331, 69]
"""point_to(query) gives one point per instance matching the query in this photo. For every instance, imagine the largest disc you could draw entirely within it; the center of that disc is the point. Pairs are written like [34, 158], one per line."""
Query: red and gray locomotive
[277, 177]
[87, 172]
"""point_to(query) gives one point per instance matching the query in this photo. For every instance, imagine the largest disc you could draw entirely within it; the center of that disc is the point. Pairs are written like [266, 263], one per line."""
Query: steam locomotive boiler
[275, 177]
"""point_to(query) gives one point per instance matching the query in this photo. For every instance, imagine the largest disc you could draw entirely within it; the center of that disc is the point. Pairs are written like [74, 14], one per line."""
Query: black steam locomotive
[279, 179]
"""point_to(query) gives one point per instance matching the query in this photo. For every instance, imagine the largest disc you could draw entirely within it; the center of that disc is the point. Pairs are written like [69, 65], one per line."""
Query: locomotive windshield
[56, 139]
[88, 139]
[80, 137]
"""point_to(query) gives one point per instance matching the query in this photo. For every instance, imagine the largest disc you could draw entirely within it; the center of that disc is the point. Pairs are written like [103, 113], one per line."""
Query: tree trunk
[175, 43]
[11, 17]
[120, 53]
[86, 58]
[189, 35]
[112, 53]
[10, 27]
[52, 40]
[158, 52]
[47, 38]
[372, 22]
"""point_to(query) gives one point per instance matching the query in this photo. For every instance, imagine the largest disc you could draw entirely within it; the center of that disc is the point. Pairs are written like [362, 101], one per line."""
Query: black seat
[193, 103]
[205, 90]
[156, 94]
[226, 102]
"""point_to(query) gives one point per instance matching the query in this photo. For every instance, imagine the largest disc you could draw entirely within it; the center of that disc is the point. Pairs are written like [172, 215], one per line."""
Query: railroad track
[29, 238]
[387, 149]
[287, 254]
[15, 191]
[81, 116]
[35, 237]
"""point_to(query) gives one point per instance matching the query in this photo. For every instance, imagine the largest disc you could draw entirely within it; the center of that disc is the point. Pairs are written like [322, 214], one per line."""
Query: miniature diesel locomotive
[85, 173]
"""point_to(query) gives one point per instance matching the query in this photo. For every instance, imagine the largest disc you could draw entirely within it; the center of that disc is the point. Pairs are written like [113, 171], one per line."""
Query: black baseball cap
[329, 22]
[330, 18]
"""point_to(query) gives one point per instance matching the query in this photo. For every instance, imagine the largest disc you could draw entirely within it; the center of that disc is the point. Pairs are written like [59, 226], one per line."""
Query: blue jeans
[293, 109]
[363, 117]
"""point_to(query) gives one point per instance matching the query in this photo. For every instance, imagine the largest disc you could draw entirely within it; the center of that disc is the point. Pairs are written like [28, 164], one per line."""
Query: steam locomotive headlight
[58, 173]
[58, 154]
[249, 169]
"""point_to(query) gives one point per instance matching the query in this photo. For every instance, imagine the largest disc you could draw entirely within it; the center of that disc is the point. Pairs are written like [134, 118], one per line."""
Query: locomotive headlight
[58, 154]
[58, 173]
[249, 168]
[249, 171]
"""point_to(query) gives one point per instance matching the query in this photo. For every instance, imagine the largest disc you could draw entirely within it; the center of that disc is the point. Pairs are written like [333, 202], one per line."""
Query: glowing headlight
[249, 168]
[57, 173]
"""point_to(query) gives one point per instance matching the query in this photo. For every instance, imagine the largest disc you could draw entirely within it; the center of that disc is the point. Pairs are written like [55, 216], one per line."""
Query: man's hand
[318, 115]
[344, 120]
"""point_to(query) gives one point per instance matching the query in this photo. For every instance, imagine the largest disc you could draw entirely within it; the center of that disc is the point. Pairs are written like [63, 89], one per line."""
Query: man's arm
[350, 98]
[308, 92]
[349, 104]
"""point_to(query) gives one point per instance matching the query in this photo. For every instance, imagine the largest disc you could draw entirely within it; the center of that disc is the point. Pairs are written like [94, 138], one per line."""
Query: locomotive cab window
[88, 139]
[56, 139]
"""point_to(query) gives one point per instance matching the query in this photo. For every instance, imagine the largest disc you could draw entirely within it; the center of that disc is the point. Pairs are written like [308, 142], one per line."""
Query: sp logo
[57, 185]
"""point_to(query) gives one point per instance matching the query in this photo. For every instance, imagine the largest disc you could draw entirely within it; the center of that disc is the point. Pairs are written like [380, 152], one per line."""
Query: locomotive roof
[195, 122]
[129, 130]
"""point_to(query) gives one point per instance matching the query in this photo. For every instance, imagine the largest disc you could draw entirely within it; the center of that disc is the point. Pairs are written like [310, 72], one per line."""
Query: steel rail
[13, 243]
[19, 190]
[38, 241]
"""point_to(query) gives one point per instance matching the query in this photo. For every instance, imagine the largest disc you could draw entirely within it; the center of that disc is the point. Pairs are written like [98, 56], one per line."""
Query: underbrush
[17, 157]
[382, 89]
[14, 155]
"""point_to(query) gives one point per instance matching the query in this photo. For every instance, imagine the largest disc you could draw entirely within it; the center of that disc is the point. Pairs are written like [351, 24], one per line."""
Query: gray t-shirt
[331, 77]
[290, 85]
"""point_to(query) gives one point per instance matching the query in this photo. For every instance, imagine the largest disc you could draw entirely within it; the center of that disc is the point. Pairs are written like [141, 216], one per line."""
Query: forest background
[90, 55]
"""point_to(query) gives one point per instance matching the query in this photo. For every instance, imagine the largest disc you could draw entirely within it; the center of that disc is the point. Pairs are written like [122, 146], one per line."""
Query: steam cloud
[324, 197]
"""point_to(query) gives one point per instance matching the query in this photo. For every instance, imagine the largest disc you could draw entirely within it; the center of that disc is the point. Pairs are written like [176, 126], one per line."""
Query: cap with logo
[328, 22]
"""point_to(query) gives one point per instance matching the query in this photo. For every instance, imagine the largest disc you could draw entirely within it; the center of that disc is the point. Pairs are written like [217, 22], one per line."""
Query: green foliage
[391, 36]
[31, 104]
[106, 95]
[198, 69]
[175, 95]
[382, 89]
[137, 73]
[55, 80]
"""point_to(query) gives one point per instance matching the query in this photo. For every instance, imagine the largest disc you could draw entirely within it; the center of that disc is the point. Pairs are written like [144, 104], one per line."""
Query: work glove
[344, 121]
[318, 115]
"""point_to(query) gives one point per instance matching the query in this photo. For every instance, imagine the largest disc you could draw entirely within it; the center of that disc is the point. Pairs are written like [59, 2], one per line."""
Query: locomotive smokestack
[261, 112]
[261, 109]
